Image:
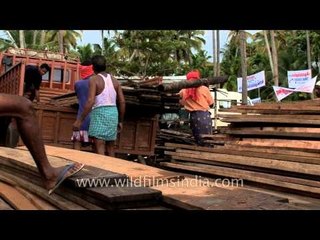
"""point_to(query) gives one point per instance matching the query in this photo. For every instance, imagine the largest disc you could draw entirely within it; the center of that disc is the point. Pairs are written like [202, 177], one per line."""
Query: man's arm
[37, 93]
[121, 103]
[37, 83]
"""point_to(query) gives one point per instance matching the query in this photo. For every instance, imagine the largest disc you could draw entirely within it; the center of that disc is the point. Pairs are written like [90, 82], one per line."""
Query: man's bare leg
[22, 110]
[99, 145]
[110, 148]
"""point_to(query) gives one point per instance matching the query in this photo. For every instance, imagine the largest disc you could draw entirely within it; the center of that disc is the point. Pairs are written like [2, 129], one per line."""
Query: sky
[94, 36]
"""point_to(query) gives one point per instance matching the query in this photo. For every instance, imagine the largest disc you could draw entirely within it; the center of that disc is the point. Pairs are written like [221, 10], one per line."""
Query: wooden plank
[112, 198]
[4, 205]
[245, 117]
[253, 170]
[54, 198]
[247, 151]
[133, 170]
[36, 180]
[304, 168]
[268, 119]
[62, 191]
[288, 158]
[261, 132]
[36, 200]
[242, 174]
[285, 143]
[202, 194]
[276, 128]
[261, 149]
[15, 198]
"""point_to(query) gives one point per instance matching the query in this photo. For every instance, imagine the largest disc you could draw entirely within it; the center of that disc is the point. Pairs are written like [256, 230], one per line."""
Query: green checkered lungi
[104, 123]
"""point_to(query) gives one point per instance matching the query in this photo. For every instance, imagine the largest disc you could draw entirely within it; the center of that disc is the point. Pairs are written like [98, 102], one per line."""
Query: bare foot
[60, 174]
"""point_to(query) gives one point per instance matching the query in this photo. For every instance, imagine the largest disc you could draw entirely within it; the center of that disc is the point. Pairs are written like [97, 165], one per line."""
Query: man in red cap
[81, 137]
[198, 101]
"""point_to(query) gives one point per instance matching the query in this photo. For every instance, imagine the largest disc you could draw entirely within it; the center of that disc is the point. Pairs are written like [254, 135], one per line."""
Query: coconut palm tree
[67, 39]
[243, 41]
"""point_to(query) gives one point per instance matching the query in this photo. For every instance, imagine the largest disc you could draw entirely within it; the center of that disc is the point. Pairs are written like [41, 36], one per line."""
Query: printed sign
[254, 81]
[298, 78]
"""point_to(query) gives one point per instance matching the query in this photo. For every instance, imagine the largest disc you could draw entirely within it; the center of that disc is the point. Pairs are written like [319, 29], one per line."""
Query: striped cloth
[104, 123]
[80, 136]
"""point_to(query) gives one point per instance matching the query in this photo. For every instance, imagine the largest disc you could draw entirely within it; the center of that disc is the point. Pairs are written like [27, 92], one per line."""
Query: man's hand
[76, 125]
[119, 127]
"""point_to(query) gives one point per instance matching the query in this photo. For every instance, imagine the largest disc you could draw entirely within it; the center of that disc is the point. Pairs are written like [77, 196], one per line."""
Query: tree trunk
[102, 42]
[60, 41]
[22, 39]
[274, 59]
[34, 39]
[42, 37]
[214, 52]
[244, 67]
[218, 53]
[268, 50]
[309, 56]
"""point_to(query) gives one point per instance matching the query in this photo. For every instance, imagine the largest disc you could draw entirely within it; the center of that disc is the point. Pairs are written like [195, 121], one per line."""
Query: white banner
[256, 100]
[298, 78]
[254, 81]
[308, 86]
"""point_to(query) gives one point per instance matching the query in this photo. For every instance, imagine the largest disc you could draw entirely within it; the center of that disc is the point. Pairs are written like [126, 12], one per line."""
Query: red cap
[86, 71]
[193, 75]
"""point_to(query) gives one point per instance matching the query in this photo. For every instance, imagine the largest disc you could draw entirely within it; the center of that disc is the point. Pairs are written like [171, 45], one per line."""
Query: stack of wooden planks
[179, 191]
[21, 187]
[147, 97]
[289, 125]
[298, 171]
[275, 144]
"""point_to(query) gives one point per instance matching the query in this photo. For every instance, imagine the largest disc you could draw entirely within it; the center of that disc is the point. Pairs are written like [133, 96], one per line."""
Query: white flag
[282, 92]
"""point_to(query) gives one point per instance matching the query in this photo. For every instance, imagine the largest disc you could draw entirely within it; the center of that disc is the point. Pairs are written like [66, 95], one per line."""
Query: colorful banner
[298, 78]
[282, 92]
[254, 81]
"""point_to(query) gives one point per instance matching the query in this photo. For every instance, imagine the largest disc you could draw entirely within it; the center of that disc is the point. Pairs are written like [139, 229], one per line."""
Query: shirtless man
[21, 109]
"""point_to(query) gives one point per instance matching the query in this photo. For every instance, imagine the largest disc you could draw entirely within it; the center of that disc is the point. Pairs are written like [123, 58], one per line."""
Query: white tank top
[108, 96]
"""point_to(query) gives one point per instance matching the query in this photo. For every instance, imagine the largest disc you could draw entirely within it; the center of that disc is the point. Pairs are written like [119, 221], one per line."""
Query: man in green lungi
[107, 105]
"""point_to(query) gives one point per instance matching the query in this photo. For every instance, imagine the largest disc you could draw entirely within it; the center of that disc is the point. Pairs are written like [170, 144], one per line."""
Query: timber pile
[176, 192]
[173, 136]
[145, 97]
[21, 187]
[151, 99]
[150, 94]
[297, 171]
[289, 125]
[272, 144]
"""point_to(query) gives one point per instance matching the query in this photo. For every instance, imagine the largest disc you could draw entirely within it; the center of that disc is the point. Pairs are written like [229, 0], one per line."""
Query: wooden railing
[11, 82]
